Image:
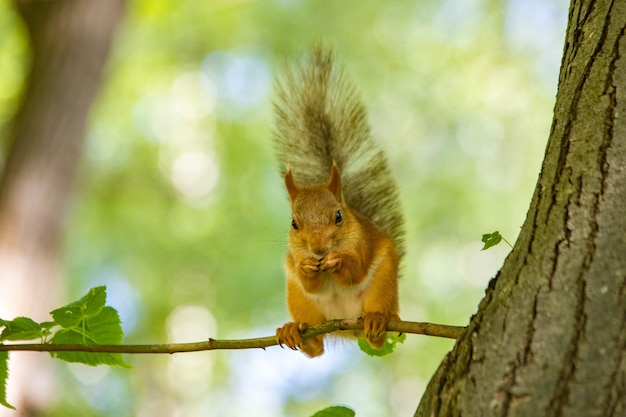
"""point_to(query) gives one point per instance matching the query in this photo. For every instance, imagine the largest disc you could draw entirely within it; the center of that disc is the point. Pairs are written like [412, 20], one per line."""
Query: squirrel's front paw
[330, 263]
[309, 267]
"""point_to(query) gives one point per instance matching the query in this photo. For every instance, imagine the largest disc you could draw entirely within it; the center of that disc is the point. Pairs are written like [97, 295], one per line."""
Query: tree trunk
[70, 41]
[549, 338]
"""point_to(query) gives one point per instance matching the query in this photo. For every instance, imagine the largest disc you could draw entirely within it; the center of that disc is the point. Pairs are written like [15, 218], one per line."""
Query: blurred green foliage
[179, 209]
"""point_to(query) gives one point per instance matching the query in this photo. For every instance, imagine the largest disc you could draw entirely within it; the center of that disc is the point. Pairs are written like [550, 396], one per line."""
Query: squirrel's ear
[292, 188]
[334, 182]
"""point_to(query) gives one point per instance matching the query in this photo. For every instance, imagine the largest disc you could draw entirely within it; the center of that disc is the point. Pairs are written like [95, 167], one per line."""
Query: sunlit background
[180, 210]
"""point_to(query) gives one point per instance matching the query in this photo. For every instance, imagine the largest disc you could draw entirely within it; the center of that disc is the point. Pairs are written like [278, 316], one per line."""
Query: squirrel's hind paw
[375, 328]
[289, 335]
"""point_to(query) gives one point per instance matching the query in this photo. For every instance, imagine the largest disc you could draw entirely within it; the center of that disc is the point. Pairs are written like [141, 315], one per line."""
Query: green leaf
[94, 301]
[67, 317]
[102, 329]
[88, 321]
[21, 328]
[90, 305]
[4, 375]
[336, 411]
[65, 336]
[47, 325]
[491, 239]
[106, 327]
[390, 345]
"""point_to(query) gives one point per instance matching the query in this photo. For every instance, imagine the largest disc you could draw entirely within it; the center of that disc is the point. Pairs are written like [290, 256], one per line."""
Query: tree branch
[429, 329]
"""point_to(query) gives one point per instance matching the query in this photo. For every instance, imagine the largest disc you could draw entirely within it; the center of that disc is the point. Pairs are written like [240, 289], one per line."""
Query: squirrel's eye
[338, 217]
[294, 225]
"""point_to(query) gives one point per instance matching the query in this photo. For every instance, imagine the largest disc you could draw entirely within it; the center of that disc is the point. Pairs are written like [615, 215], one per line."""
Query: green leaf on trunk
[491, 239]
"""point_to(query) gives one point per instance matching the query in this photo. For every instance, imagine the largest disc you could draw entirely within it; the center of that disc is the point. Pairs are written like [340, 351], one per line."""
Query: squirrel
[346, 236]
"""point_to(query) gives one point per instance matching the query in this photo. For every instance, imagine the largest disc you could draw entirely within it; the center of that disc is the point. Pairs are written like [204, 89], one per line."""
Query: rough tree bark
[549, 338]
[69, 43]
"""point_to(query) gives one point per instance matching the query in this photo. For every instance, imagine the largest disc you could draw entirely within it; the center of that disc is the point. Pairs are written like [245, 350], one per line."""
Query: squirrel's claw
[375, 328]
[289, 335]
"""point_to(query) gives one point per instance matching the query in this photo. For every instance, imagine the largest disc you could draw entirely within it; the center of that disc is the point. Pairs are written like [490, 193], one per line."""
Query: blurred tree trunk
[549, 338]
[69, 43]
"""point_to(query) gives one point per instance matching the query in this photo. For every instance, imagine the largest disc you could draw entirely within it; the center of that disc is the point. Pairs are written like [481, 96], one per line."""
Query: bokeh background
[180, 211]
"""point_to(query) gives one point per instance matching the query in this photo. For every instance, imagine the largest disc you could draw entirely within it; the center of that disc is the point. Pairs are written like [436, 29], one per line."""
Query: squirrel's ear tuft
[292, 188]
[334, 182]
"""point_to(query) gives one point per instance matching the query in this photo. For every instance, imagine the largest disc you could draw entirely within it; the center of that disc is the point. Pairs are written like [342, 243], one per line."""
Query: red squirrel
[345, 242]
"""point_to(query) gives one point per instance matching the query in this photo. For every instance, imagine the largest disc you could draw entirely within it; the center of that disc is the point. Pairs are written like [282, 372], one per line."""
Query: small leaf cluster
[87, 321]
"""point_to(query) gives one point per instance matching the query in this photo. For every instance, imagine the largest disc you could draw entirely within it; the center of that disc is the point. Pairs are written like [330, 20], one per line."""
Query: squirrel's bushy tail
[320, 119]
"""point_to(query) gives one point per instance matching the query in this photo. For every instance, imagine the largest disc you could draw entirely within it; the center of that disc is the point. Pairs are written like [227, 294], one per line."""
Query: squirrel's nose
[319, 249]
[319, 253]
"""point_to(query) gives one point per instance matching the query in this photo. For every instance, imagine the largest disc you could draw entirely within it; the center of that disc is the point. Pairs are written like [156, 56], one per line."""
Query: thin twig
[429, 329]
[507, 242]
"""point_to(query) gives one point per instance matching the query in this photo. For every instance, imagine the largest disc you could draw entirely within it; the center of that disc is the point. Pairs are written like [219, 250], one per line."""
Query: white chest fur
[336, 302]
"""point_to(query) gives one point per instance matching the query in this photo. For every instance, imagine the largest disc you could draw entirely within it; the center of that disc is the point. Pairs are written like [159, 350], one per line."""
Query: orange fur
[336, 269]
[338, 266]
